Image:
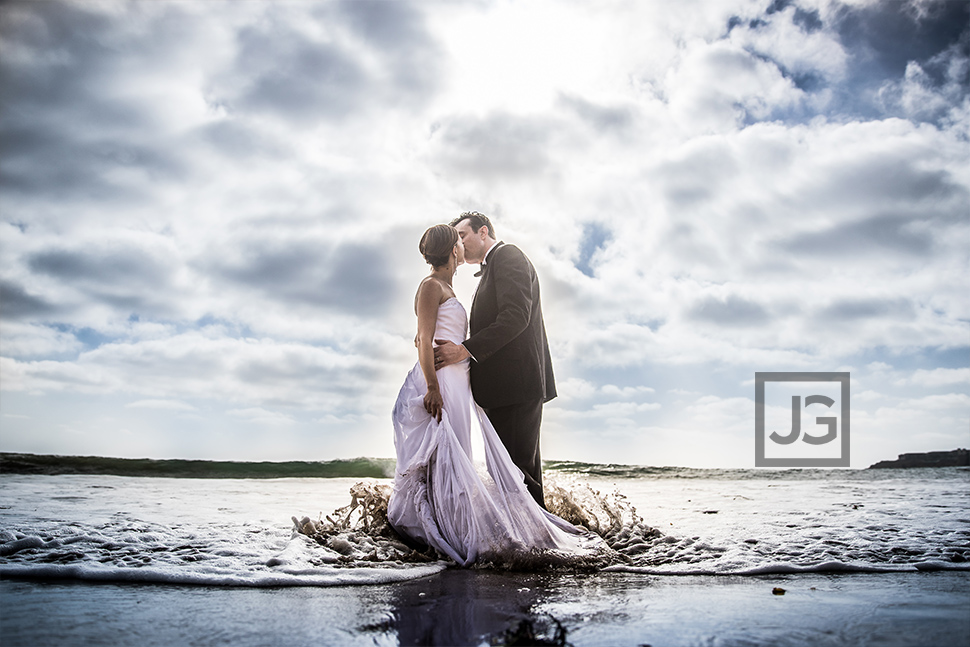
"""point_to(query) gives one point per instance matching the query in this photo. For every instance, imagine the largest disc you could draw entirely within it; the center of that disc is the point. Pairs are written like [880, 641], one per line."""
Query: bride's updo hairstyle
[437, 243]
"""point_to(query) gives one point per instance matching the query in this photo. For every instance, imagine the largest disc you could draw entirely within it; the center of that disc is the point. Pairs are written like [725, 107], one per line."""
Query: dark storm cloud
[889, 34]
[394, 26]
[282, 70]
[39, 161]
[701, 175]
[63, 55]
[353, 278]
[894, 178]
[294, 77]
[856, 309]
[57, 57]
[124, 265]
[602, 118]
[871, 236]
[882, 38]
[808, 20]
[299, 367]
[64, 128]
[732, 311]
[397, 30]
[498, 145]
[235, 140]
[896, 190]
[125, 277]
[17, 303]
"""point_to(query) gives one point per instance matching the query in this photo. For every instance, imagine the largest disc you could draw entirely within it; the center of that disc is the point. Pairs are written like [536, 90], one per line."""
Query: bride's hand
[433, 403]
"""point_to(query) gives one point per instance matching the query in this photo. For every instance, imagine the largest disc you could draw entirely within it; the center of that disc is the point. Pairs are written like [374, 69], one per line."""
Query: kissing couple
[498, 378]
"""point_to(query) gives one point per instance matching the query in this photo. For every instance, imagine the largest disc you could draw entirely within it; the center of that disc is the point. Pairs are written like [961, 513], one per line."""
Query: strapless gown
[439, 498]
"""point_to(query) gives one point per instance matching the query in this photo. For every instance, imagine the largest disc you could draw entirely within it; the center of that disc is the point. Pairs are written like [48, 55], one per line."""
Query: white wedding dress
[439, 498]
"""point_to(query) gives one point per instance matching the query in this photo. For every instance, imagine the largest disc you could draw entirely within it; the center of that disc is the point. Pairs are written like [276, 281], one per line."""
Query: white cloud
[939, 402]
[575, 388]
[26, 340]
[625, 391]
[173, 405]
[867, 396]
[940, 377]
[261, 416]
[799, 49]
[205, 363]
[718, 85]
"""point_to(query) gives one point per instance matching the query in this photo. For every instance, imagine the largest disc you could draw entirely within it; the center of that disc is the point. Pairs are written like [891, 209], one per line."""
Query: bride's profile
[439, 499]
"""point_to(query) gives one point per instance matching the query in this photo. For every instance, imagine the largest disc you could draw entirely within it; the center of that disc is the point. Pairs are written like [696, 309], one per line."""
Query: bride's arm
[429, 296]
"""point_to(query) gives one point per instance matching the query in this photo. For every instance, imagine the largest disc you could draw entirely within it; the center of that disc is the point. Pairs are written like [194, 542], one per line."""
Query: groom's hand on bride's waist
[448, 352]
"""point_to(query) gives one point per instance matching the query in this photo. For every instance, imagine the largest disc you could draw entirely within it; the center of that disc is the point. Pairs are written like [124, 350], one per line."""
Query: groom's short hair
[476, 221]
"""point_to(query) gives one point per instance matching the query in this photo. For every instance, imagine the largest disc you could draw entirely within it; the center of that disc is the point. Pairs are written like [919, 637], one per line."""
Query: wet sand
[466, 607]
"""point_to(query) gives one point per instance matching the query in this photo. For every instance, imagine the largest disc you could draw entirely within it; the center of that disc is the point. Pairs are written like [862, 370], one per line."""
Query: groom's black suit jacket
[511, 361]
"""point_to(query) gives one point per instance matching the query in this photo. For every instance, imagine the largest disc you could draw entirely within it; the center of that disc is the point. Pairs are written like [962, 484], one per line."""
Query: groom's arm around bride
[511, 368]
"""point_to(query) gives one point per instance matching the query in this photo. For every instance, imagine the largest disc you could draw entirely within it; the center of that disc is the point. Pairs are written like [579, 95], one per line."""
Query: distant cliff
[954, 458]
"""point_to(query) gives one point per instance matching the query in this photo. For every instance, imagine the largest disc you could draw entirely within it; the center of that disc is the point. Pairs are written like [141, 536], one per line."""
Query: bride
[439, 499]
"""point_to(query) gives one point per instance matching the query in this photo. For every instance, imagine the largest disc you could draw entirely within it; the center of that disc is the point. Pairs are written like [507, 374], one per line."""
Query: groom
[511, 369]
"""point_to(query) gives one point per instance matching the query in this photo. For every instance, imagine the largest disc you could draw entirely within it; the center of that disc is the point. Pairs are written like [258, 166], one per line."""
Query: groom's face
[474, 241]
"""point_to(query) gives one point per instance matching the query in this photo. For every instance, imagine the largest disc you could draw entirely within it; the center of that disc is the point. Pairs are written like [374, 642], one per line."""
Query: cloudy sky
[209, 216]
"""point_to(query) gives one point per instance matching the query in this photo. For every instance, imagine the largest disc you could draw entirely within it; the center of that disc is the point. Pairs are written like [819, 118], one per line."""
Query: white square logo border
[760, 460]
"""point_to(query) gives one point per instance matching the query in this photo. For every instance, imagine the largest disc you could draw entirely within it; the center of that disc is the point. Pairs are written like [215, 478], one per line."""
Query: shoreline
[469, 607]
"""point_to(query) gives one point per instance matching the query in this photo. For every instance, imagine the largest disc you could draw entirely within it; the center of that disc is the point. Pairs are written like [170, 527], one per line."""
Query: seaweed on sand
[360, 531]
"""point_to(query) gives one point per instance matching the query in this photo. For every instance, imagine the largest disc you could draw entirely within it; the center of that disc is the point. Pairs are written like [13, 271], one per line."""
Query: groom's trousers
[517, 426]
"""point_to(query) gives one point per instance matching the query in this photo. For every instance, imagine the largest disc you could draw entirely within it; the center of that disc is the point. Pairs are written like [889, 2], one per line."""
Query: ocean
[215, 528]
[192, 553]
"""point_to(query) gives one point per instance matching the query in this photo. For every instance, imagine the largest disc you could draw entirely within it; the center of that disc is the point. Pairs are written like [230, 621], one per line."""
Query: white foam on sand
[216, 577]
[788, 569]
[92, 558]
[177, 531]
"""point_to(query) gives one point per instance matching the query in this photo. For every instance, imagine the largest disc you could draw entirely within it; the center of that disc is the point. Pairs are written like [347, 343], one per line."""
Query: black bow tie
[484, 263]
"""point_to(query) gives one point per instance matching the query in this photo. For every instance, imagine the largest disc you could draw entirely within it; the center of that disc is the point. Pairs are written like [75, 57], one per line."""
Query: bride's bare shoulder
[429, 286]
[429, 290]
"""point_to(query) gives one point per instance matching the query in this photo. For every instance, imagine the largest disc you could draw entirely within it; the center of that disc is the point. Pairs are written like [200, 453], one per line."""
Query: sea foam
[235, 532]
